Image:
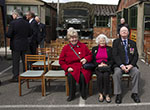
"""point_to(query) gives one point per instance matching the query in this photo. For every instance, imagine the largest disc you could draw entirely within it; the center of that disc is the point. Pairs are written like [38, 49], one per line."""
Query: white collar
[30, 20]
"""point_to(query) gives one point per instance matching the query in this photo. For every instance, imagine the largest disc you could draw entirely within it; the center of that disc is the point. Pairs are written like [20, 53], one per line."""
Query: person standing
[18, 32]
[33, 39]
[42, 32]
[71, 59]
[122, 23]
[125, 57]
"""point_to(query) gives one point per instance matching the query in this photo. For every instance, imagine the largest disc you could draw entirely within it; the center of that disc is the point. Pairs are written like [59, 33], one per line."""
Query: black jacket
[33, 39]
[42, 32]
[109, 54]
[119, 52]
[18, 32]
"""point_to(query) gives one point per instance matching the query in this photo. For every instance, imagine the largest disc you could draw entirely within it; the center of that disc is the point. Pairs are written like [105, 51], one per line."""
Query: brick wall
[106, 30]
[126, 3]
[114, 27]
[146, 40]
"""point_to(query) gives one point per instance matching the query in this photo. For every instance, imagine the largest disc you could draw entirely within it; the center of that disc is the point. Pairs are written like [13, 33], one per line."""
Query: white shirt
[30, 20]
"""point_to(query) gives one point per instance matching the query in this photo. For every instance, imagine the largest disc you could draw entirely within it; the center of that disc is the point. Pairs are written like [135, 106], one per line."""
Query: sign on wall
[133, 34]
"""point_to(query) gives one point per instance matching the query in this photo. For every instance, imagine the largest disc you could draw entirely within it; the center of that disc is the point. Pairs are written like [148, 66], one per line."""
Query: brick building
[105, 20]
[137, 15]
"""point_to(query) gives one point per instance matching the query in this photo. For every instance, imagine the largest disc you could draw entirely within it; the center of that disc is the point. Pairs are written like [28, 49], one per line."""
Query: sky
[114, 2]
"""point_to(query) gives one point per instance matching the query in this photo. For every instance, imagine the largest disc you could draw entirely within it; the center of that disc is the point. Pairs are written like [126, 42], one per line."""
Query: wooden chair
[32, 74]
[54, 74]
[41, 51]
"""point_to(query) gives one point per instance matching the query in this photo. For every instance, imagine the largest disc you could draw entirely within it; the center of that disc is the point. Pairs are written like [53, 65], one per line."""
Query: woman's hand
[70, 69]
[83, 61]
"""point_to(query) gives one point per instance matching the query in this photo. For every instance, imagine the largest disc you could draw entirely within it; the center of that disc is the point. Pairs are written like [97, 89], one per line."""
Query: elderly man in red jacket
[72, 57]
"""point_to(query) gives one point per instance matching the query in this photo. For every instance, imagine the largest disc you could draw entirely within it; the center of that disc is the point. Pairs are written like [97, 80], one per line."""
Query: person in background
[102, 57]
[125, 57]
[42, 32]
[72, 64]
[33, 39]
[122, 23]
[18, 32]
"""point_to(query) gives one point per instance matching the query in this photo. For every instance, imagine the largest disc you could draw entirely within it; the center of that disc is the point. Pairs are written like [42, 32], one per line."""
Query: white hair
[101, 36]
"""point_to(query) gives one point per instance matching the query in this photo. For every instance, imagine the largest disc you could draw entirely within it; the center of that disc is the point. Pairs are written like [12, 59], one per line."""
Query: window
[102, 21]
[146, 9]
[47, 17]
[147, 16]
[119, 17]
[133, 17]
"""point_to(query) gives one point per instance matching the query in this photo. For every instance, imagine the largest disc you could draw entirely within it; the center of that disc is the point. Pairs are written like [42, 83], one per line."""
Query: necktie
[126, 52]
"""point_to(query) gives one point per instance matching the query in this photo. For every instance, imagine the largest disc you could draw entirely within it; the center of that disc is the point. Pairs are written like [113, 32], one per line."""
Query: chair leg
[128, 82]
[19, 86]
[43, 86]
[28, 84]
[90, 87]
[67, 87]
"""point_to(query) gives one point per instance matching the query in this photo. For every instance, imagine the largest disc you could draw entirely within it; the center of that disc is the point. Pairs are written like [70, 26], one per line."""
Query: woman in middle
[71, 59]
[102, 57]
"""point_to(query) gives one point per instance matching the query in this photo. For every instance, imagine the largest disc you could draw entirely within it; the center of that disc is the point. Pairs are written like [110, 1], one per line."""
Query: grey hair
[18, 12]
[101, 36]
[71, 32]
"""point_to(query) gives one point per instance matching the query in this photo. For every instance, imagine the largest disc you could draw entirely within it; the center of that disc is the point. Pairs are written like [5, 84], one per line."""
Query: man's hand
[70, 69]
[128, 67]
[124, 68]
[83, 61]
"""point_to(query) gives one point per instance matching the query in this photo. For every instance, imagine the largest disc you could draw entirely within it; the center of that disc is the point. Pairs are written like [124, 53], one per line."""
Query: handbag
[104, 69]
[88, 66]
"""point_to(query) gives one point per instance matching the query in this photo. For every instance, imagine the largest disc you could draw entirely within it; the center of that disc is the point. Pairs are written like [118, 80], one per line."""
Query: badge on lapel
[131, 50]
[95, 51]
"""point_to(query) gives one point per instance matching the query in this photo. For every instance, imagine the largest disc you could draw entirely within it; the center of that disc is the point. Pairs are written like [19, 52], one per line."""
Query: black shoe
[135, 97]
[14, 80]
[84, 97]
[118, 99]
[70, 98]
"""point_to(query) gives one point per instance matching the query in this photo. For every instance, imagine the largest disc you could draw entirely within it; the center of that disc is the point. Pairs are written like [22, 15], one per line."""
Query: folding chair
[32, 74]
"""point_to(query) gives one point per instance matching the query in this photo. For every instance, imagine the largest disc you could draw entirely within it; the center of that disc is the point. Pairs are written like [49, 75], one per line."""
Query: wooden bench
[125, 77]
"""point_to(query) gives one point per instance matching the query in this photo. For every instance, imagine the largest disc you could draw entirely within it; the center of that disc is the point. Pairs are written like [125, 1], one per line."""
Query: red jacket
[69, 59]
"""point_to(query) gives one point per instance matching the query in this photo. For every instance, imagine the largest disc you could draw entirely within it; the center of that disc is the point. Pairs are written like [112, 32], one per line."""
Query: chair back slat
[34, 58]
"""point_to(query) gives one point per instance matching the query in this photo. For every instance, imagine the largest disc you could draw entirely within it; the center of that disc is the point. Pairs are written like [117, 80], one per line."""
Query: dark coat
[109, 54]
[42, 32]
[18, 32]
[69, 59]
[119, 52]
[33, 39]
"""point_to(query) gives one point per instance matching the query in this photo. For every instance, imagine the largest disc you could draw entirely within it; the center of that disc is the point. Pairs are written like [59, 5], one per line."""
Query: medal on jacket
[79, 53]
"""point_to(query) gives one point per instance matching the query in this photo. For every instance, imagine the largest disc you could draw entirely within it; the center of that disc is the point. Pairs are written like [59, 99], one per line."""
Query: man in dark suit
[125, 57]
[122, 23]
[18, 32]
[42, 32]
[33, 39]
